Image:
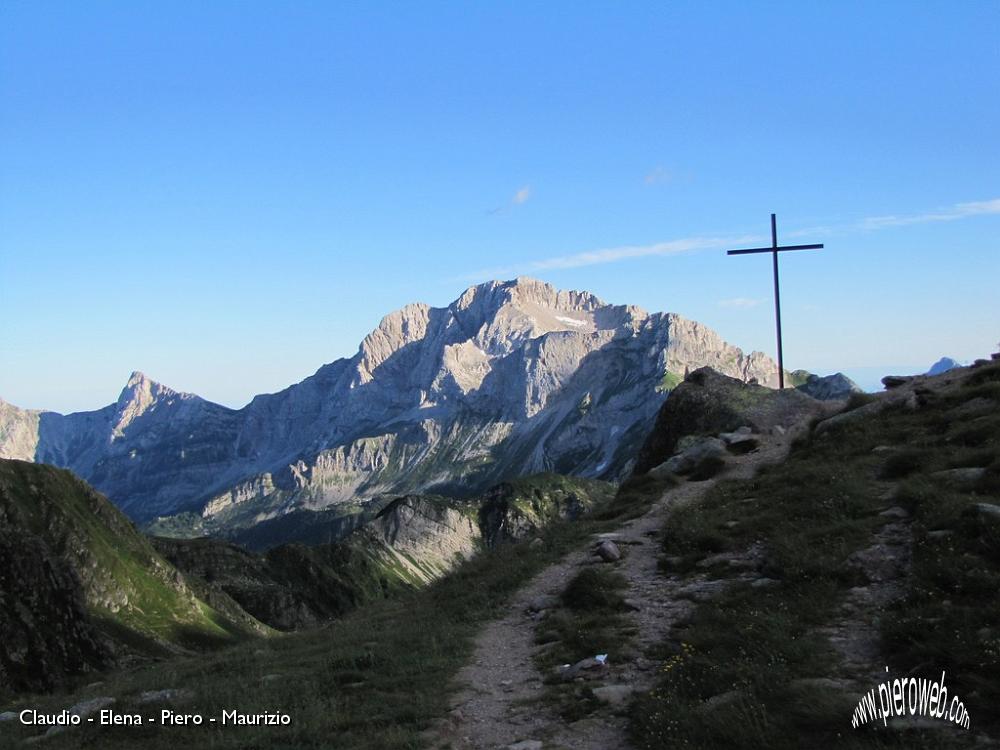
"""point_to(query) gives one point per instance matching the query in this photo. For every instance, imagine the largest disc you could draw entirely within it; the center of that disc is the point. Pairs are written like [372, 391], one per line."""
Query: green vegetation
[127, 586]
[669, 381]
[591, 617]
[372, 680]
[795, 378]
[739, 669]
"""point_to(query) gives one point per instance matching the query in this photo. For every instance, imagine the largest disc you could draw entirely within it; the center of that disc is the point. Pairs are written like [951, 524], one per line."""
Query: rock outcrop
[830, 387]
[512, 378]
[708, 403]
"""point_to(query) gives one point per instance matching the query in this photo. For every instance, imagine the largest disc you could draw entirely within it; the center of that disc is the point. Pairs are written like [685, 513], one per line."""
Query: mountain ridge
[511, 378]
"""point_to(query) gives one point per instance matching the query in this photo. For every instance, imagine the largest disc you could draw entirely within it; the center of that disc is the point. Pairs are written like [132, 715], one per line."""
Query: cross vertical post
[774, 249]
[777, 301]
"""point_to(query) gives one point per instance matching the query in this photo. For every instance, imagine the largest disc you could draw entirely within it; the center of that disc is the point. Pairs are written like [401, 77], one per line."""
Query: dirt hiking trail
[499, 703]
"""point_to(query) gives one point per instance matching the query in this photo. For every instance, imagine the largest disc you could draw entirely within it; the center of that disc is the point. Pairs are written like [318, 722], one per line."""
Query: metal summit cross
[774, 250]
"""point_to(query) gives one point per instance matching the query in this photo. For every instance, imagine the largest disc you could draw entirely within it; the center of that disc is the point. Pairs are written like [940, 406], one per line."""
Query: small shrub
[707, 468]
[594, 589]
[903, 463]
[857, 400]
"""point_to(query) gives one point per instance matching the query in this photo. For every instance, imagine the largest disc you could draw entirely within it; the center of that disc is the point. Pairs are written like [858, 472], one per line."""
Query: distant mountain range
[512, 378]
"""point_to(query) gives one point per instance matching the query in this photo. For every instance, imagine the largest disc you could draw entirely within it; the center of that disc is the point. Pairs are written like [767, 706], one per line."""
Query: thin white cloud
[520, 197]
[658, 174]
[953, 213]
[697, 244]
[614, 255]
[739, 302]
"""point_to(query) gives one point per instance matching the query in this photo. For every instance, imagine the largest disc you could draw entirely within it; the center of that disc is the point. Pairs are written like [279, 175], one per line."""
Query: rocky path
[499, 702]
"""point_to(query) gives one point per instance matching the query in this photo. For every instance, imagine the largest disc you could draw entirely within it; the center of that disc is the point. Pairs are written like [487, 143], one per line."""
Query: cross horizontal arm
[772, 249]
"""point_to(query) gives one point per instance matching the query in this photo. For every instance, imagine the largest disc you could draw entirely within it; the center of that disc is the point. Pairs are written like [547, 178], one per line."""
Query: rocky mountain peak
[513, 377]
[140, 395]
[395, 330]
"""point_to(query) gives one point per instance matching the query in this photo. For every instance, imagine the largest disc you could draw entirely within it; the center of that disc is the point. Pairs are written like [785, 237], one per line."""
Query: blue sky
[228, 195]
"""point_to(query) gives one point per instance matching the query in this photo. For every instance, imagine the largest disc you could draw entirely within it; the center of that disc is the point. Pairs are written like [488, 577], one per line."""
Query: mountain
[412, 541]
[82, 589]
[510, 379]
[943, 365]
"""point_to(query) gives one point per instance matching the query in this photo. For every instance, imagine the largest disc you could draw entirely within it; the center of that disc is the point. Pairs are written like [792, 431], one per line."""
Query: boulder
[608, 551]
[708, 403]
[741, 441]
[895, 381]
[702, 449]
[588, 668]
[613, 695]
[830, 387]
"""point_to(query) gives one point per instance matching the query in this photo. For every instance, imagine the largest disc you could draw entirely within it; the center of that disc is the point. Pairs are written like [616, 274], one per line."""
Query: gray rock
[83, 709]
[541, 603]
[686, 462]
[608, 551]
[526, 745]
[588, 668]
[895, 381]
[8, 716]
[987, 509]
[895, 512]
[162, 696]
[962, 476]
[764, 583]
[613, 695]
[741, 441]
[940, 533]
[501, 371]
[830, 387]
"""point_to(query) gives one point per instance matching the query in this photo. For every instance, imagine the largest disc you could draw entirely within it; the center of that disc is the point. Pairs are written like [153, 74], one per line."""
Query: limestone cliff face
[513, 378]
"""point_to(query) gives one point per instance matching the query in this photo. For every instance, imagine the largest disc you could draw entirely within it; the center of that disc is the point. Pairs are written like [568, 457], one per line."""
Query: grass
[753, 646]
[375, 679]
[114, 560]
[669, 381]
[590, 621]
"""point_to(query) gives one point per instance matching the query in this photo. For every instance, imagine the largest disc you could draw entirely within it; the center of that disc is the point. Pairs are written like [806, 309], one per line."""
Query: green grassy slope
[758, 650]
[373, 680]
[128, 591]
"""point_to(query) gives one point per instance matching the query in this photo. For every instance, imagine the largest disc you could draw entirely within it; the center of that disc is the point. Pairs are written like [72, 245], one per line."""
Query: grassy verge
[375, 679]
[738, 671]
